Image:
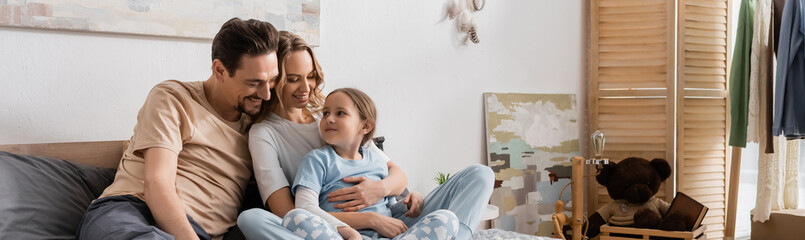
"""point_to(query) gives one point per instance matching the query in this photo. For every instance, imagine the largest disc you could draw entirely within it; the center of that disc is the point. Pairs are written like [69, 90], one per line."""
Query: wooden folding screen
[650, 108]
[702, 107]
[631, 90]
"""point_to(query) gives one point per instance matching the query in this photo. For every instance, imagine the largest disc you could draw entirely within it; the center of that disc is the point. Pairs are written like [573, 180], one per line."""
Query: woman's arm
[280, 202]
[308, 199]
[397, 181]
[274, 187]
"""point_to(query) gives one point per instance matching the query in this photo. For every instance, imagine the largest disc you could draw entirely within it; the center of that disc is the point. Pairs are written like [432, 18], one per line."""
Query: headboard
[104, 154]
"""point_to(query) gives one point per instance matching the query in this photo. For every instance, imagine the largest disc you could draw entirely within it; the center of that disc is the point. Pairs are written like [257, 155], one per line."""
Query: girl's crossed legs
[438, 225]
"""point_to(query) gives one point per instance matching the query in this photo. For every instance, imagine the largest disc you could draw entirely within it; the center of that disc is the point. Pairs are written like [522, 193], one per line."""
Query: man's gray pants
[124, 217]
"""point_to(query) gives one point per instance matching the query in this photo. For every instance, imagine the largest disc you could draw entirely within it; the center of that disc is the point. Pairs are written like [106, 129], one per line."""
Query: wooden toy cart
[627, 233]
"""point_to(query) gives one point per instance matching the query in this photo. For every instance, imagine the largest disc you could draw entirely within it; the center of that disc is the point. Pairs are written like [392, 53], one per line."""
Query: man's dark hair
[237, 37]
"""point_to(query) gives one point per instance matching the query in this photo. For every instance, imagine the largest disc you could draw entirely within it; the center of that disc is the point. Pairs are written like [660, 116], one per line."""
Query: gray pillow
[44, 198]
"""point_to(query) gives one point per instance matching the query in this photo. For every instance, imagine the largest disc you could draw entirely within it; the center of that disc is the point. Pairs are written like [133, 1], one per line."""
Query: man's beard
[242, 110]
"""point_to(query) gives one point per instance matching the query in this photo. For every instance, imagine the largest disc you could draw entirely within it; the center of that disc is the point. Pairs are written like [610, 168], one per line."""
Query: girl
[348, 123]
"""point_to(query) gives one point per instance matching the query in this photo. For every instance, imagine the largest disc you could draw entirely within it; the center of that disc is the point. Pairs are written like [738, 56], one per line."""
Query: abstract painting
[175, 18]
[528, 137]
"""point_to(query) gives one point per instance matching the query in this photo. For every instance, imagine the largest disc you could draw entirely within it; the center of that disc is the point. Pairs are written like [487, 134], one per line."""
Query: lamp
[597, 140]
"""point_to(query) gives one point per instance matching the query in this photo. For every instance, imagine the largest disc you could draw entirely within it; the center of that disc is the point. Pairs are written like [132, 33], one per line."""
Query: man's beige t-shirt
[214, 164]
[621, 212]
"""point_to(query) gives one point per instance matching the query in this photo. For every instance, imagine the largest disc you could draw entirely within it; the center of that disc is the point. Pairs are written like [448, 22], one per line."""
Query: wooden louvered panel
[630, 93]
[704, 33]
[630, 110]
[629, 32]
[707, 63]
[694, 47]
[705, 109]
[705, 41]
[706, 56]
[702, 107]
[703, 162]
[704, 139]
[640, 17]
[717, 4]
[698, 125]
[631, 102]
[632, 78]
[632, 125]
[629, 70]
[699, 118]
[709, 183]
[644, 55]
[704, 70]
[630, 3]
[711, 220]
[631, 90]
[633, 133]
[703, 154]
[706, 18]
[716, 204]
[634, 117]
[636, 147]
[604, 10]
[704, 146]
[631, 63]
[706, 85]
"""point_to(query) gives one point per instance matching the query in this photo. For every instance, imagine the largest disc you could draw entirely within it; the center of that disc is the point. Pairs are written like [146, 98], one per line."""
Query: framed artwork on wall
[529, 137]
[177, 18]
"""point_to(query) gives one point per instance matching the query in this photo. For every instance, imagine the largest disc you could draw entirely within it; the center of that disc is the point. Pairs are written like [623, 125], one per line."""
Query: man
[185, 172]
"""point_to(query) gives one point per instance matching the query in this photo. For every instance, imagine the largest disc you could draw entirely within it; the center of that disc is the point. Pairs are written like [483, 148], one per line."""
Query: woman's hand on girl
[349, 233]
[414, 202]
[387, 226]
[366, 193]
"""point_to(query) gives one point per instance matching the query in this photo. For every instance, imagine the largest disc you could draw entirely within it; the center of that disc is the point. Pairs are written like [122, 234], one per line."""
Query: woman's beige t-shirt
[214, 164]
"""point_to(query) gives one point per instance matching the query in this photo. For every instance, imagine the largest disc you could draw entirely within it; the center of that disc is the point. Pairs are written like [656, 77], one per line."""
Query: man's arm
[160, 193]
[280, 202]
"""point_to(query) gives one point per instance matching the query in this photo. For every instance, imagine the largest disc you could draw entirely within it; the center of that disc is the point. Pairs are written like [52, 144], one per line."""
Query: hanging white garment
[758, 67]
[769, 194]
[791, 189]
[777, 179]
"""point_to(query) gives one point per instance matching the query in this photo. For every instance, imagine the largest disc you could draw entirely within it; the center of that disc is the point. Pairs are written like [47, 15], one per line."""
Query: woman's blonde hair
[366, 109]
[288, 44]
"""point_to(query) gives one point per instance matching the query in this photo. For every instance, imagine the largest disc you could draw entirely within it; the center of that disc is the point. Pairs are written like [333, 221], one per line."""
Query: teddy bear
[632, 184]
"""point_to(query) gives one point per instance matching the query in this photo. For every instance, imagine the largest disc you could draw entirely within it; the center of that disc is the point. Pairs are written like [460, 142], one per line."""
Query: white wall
[59, 86]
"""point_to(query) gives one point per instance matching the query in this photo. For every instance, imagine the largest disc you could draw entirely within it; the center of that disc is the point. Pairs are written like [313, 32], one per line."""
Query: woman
[288, 130]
